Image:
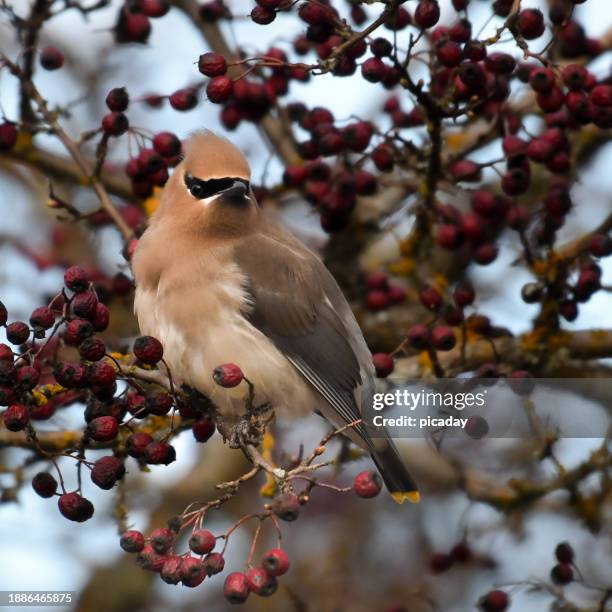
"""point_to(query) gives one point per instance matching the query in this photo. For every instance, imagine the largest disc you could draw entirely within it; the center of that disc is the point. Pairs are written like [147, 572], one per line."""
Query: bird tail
[395, 475]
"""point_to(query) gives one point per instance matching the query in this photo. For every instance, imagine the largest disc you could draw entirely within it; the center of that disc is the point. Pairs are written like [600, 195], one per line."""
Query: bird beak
[236, 195]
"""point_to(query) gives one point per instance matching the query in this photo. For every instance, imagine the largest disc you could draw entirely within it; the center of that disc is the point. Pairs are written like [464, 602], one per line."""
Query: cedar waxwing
[217, 281]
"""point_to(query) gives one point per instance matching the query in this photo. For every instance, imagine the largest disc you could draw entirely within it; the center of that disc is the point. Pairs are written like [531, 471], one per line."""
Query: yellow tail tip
[401, 496]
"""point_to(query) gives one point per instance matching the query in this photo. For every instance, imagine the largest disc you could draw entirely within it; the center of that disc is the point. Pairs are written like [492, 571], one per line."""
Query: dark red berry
[51, 58]
[184, 99]
[84, 305]
[136, 444]
[286, 506]
[495, 601]
[531, 23]
[167, 144]
[158, 453]
[115, 124]
[193, 571]
[171, 571]
[103, 428]
[562, 574]
[220, 89]
[75, 508]
[42, 317]
[212, 64]
[17, 332]
[419, 337]
[440, 562]
[117, 99]
[148, 350]
[564, 553]
[214, 563]
[107, 471]
[430, 298]
[427, 13]
[76, 279]
[101, 374]
[150, 560]
[44, 484]
[154, 8]
[260, 582]
[443, 338]
[203, 429]
[383, 364]
[8, 136]
[162, 539]
[463, 294]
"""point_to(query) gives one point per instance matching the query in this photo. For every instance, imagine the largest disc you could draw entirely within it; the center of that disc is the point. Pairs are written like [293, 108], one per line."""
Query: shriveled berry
[42, 318]
[158, 403]
[171, 570]
[286, 506]
[107, 471]
[212, 64]
[76, 279]
[184, 99]
[84, 304]
[136, 444]
[71, 375]
[75, 508]
[214, 563]
[150, 560]
[44, 484]
[220, 89]
[228, 375]
[158, 453]
[92, 349]
[103, 428]
[367, 484]
[115, 124]
[101, 374]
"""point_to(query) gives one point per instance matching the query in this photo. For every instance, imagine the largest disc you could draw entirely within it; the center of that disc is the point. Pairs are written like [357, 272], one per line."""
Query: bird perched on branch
[217, 281]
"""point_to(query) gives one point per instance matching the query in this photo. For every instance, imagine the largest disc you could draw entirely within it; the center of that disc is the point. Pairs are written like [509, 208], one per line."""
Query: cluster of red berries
[156, 553]
[149, 168]
[440, 562]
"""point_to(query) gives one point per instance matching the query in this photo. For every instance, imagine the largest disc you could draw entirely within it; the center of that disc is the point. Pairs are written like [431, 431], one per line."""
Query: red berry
[373, 69]
[236, 588]
[132, 541]
[383, 364]
[44, 484]
[531, 23]
[500, 63]
[75, 508]
[419, 337]
[461, 552]
[167, 144]
[150, 560]
[448, 53]
[133, 27]
[42, 318]
[443, 338]
[162, 539]
[84, 304]
[465, 170]
[107, 471]
[17, 332]
[16, 417]
[184, 99]
[220, 89]
[440, 562]
[485, 254]
[203, 429]
[202, 542]
[76, 279]
[8, 136]
[448, 236]
[396, 294]
[463, 294]
[193, 571]
[564, 553]
[228, 375]
[136, 444]
[103, 428]
[154, 8]
[377, 300]
[430, 298]
[275, 562]
[600, 245]
[51, 58]
[148, 350]
[158, 453]
[101, 374]
[117, 99]
[212, 64]
[562, 574]
[262, 16]
[367, 484]
[260, 582]
[115, 124]
[171, 571]
[214, 563]
[495, 601]
[427, 13]
[71, 375]
[515, 182]
[601, 95]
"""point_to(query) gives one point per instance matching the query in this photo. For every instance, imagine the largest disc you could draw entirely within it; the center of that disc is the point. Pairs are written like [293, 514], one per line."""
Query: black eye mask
[201, 189]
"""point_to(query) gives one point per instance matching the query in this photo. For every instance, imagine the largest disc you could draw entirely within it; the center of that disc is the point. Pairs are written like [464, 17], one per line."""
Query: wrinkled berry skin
[260, 582]
[107, 471]
[103, 429]
[367, 484]
[214, 563]
[286, 506]
[75, 508]
[15, 417]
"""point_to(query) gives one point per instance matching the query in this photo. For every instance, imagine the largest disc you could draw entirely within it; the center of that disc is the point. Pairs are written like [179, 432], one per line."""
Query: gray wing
[299, 306]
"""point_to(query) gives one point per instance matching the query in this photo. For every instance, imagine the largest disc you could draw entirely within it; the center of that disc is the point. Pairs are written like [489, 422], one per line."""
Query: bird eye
[201, 189]
[197, 191]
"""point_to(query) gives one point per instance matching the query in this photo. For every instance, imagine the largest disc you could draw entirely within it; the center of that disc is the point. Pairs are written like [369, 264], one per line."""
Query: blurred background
[347, 554]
